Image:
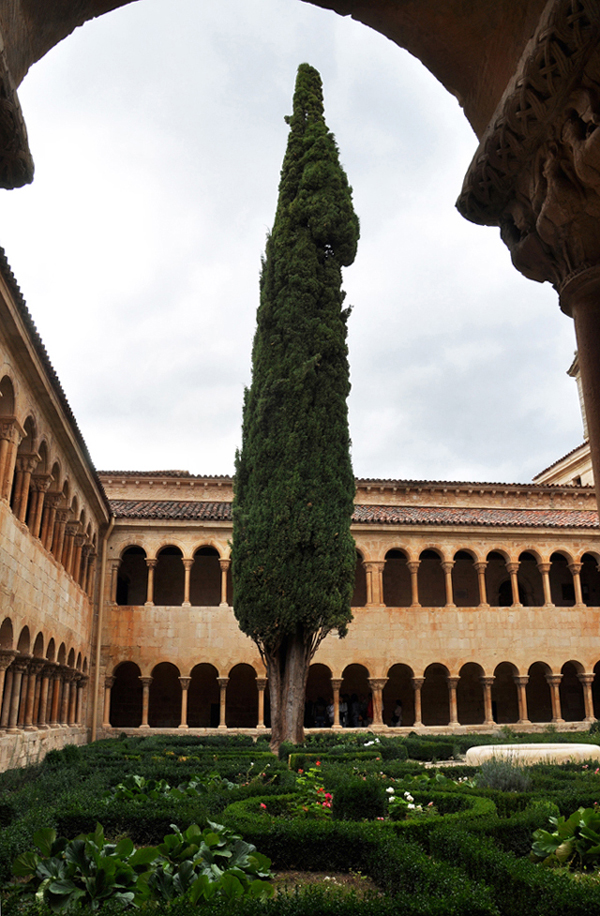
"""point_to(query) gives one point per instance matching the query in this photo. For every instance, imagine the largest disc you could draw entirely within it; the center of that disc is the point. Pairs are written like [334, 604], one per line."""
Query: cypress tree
[293, 554]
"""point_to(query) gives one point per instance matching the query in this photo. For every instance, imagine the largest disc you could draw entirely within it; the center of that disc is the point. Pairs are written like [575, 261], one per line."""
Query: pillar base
[557, 722]
[144, 726]
[336, 728]
[223, 604]
[30, 728]
[148, 603]
[417, 605]
[222, 728]
[186, 604]
[484, 605]
[524, 722]
[261, 728]
[183, 726]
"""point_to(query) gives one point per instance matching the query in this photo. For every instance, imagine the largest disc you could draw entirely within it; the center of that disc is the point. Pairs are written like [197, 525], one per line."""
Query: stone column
[108, 686]
[417, 683]
[72, 711]
[79, 541]
[586, 681]
[20, 667]
[480, 569]
[336, 683]
[512, 569]
[521, 680]
[377, 685]
[81, 685]
[368, 567]
[224, 564]
[114, 576]
[151, 564]
[89, 575]
[413, 568]
[51, 504]
[222, 682]
[187, 570]
[26, 465]
[11, 435]
[39, 486]
[544, 569]
[45, 683]
[56, 688]
[376, 569]
[6, 659]
[486, 683]
[146, 681]
[71, 531]
[185, 683]
[448, 566]
[452, 684]
[58, 539]
[66, 696]
[7, 697]
[35, 667]
[575, 570]
[261, 684]
[553, 680]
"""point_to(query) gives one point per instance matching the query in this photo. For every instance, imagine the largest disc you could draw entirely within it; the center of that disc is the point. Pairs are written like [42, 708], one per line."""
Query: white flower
[411, 806]
[408, 797]
[390, 790]
[368, 743]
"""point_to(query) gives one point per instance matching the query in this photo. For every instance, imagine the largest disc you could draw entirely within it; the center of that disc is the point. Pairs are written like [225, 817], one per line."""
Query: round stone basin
[525, 754]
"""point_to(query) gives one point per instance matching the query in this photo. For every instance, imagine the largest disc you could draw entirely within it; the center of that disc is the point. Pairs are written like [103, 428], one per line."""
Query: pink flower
[318, 763]
[300, 771]
[262, 805]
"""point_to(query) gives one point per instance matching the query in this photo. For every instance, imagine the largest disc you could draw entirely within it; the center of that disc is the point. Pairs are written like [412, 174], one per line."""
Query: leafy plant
[138, 787]
[574, 842]
[504, 774]
[313, 801]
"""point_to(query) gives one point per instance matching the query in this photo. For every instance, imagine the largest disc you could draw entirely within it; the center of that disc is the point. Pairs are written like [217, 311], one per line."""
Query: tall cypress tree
[293, 554]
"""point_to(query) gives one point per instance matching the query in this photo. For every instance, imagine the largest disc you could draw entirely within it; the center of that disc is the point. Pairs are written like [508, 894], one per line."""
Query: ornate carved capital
[53, 500]
[536, 173]
[27, 463]
[11, 430]
[224, 564]
[41, 482]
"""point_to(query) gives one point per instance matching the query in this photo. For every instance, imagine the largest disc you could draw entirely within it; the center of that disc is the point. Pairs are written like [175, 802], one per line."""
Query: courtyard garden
[345, 824]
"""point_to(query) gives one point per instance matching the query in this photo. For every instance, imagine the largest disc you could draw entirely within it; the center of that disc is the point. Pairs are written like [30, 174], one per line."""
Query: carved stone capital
[512, 568]
[52, 500]
[27, 463]
[41, 482]
[11, 430]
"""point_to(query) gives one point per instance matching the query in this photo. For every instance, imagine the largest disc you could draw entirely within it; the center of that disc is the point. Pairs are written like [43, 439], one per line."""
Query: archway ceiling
[471, 46]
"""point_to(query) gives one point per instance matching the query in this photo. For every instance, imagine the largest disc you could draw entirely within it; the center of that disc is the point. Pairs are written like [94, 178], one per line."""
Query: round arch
[132, 577]
[242, 697]
[205, 578]
[469, 695]
[396, 579]
[318, 697]
[126, 696]
[355, 683]
[572, 703]
[164, 709]
[203, 697]
[435, 698]
[432, 585]
[169, 577]
[539, 700]
[398, 694]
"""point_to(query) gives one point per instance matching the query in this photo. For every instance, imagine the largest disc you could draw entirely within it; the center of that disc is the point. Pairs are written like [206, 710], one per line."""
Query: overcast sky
[158, 135]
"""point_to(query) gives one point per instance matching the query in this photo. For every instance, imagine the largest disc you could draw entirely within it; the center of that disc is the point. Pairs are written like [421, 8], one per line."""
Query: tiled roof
[172, 473]
[378, 515]
[577, 448]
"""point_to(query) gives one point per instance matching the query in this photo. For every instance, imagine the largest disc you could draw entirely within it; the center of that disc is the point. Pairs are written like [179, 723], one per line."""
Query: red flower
[262, 805]
[318, 763]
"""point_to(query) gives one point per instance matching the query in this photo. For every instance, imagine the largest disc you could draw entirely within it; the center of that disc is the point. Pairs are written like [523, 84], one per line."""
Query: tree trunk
[287, 670]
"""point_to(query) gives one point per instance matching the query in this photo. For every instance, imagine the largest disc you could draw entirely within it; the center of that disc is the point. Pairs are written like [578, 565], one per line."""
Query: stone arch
[85, 664]
[165, 697]
[78, 662]
[469, 695]
[62, 654]
[132, 577]
[126, 696]
[531, 590]
[465, 584]
[6, 634]
[169, 577]
[242, 697]
[318, 694]
[399, 687]
[355, 682]
[51, 650]
[432, 588]
[7, 397]
[24, 643]
[205, 578]
[359, 595]
[42, 465]
[71, 659]
[505, 697]
[203, 697]
[435, 699]
[496, 575]
[38, 646]
[562, 587]
[539, 701]
[396, 579]
[572, 703]
[590, 580]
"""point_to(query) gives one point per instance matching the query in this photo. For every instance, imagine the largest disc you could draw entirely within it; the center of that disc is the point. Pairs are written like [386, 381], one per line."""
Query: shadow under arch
[505, 697]
[203, 697]
[435, 697]
[355, 683]
[539, 700]
[399, 687]
[572, 703]
[126, 697]
[396, 579]
[242, 697]
[132, 578]
[318, 696]
[165, 697]
[469, 695]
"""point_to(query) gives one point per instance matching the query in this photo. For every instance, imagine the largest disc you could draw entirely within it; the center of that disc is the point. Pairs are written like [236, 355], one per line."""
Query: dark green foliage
[504, 774]
[293, 555]
[359, 799]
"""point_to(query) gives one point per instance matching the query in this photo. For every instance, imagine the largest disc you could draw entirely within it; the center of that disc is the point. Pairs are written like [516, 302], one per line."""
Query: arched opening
[562, 587]
[359, 596]
[432, 588]
[435, 699]
[132, 578]
[62, 654]
[165, 697]
[318, 703]
[355, 685]
[6, 634]
[505, 595]
[396, 580]
[505, 698]
[7, 397]
[203, 697]
[126, 697]
[51, 650]
[169, 578]
[71, 659]
[590, 580]
[242, 698]
[205, 578]
[572, 703]
[469, 695]
[38, 646]
[24, 643]
[465, 585]
[530, 581]
[398, 693]
[539, 700]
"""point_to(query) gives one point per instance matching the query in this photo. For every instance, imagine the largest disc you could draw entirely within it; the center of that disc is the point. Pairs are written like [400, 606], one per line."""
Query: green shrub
[504, 774]
[359, 799]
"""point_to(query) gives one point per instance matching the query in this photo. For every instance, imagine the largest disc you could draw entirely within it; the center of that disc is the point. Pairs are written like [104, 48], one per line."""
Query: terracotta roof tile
[377, 515]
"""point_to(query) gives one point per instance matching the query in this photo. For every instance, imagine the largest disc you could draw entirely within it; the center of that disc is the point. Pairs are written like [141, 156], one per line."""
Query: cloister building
[475, 604]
